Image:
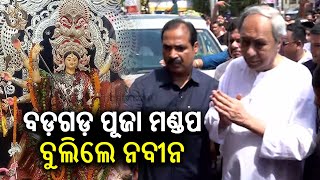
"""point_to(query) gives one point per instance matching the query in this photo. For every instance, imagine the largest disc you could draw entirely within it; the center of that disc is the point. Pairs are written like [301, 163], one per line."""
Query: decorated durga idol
[86, 65]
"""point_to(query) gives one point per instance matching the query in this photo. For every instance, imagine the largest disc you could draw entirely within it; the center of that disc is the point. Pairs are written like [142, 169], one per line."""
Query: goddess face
[71, 62]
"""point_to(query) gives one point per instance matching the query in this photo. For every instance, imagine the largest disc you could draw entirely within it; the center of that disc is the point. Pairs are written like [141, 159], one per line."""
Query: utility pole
[175, 7]
[212, 3]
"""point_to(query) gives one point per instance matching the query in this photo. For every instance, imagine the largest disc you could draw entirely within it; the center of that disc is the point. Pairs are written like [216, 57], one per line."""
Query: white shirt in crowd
[307, 46]
[307, 56]
[221, 69]
[283, 99]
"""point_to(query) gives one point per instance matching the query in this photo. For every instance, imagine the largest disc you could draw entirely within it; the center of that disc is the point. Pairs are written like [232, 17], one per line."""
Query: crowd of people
[226, 29]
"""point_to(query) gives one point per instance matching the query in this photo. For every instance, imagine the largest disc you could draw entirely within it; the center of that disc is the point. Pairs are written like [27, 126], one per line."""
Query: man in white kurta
[263, 115]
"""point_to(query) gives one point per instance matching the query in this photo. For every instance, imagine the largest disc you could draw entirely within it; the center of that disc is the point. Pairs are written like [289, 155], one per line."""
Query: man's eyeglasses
[286, 43]
[234, 40]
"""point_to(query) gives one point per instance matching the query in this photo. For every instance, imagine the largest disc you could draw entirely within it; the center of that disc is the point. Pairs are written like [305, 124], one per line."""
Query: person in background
[234, 49]
[212, 61]
[317, 16]
[309, 16]
[312, 165]
[315, 43]
[215, 14]
[220, 19]
[293, 43]
[307, 26]
[288, 19]
[207, 19]
[217, 30]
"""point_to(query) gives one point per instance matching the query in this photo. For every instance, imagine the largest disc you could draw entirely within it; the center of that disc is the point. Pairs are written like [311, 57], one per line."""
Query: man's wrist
[254, 125]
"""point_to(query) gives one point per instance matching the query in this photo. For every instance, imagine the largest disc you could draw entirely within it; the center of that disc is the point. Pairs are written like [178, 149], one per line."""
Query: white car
[147, 29]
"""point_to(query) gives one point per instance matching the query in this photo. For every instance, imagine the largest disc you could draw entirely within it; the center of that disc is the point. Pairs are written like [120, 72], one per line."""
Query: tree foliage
[202, 6]
[237, 6]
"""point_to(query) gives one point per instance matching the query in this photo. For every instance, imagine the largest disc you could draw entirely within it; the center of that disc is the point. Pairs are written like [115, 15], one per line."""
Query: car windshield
[149, 49]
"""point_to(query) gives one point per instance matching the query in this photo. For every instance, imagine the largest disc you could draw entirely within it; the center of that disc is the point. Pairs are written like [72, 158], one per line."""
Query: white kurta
[283, 98]
[307, 56]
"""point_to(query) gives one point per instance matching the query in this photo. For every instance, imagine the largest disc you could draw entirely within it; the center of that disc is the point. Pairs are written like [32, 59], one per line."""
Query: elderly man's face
[258, 45]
